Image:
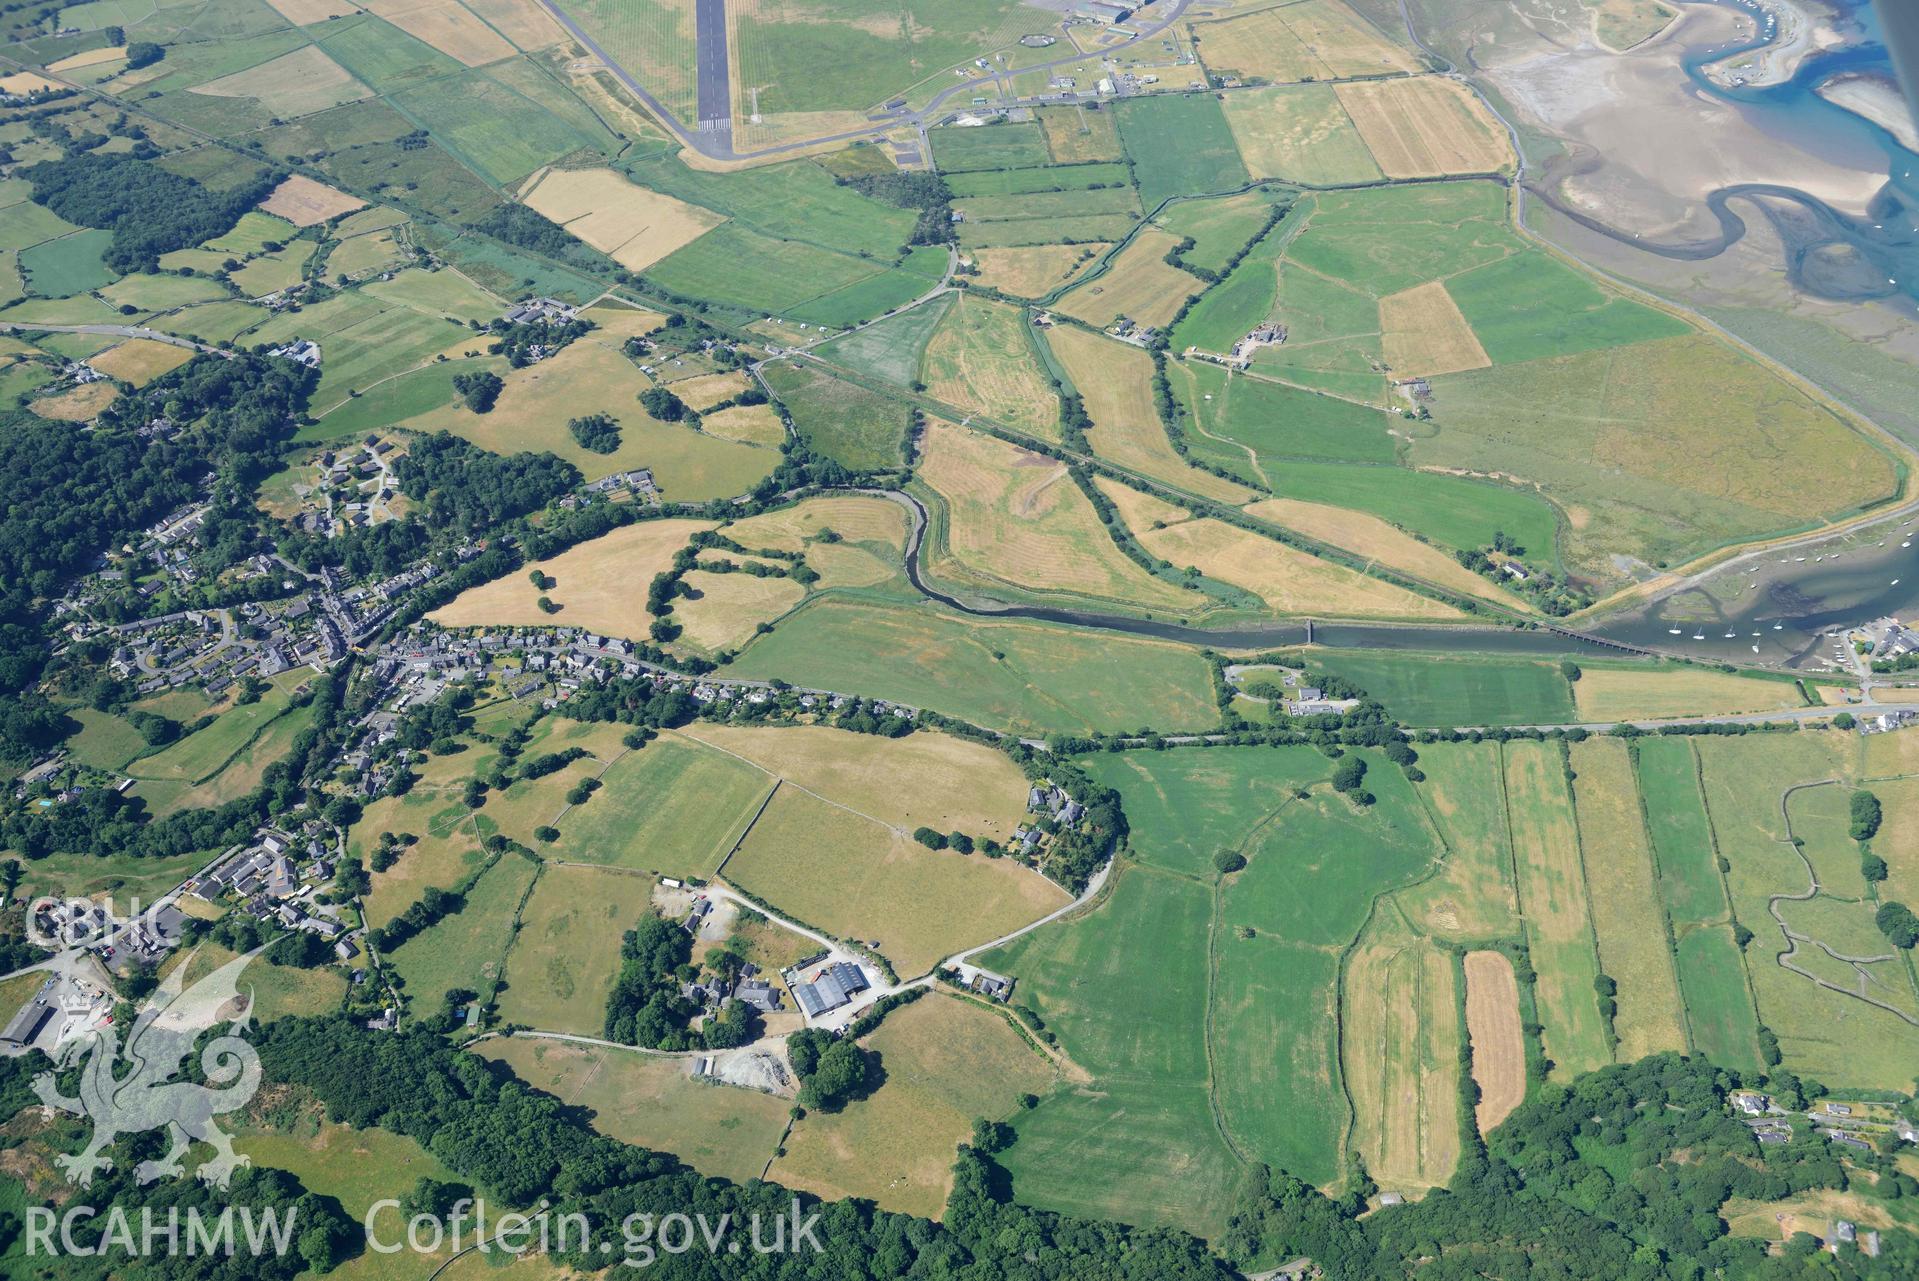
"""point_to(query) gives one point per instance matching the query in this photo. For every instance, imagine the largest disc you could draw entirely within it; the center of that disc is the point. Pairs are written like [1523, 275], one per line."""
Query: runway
[715, 109]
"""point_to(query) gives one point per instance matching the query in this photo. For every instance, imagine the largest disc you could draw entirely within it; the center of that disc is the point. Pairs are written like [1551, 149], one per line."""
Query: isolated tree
[1866, 815]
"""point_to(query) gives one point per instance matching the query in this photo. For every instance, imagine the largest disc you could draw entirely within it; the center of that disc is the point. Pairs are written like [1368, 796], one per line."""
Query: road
[124, 331]
[712, 135]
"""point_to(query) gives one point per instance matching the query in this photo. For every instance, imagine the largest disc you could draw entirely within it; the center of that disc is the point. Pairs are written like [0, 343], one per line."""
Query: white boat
[1699, 636]
[1673, 631]
[1779, 627]
[1730, 635]
[1755, 649]
[1895, 582]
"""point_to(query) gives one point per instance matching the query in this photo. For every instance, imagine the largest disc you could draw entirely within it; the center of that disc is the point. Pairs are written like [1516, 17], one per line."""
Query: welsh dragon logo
[147, 1098]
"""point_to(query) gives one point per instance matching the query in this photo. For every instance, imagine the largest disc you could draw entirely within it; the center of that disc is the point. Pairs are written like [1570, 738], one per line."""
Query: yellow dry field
[1383, 543]
[1313, 40]
[447, 26]
[751, 424]
[926, 779]
[724, 1132]
[1016, 517]
[1552, 897]
[1299, 132]
[780, 128]
[1498, 1040]
[1399, 1046]
[980, 359]
[1076, 136]
[536, 402]
[1623, 889]
[525, 22]
[948, 1061]
[295, 84]
[731, 606]
[1424, 127]
[1139, 284]
[1813, 1212]
[140, 360]
[1898, 838]
[91, 58]
[1115, 380]
[1139, 509]
[703, 391]
[24, 82]
[855, 519]
[616, 321]
[1259, 45]
[1423, 334]
[80, 405]
[1615, 693]
[304, 202]
[631, 225]
[1344, 43]
[1031, 271]
[1288, 580]
[302, 13]
[601, 584]
[856, 878]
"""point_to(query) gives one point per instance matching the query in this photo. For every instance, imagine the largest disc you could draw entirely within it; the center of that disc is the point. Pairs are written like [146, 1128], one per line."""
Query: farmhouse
[301, 351]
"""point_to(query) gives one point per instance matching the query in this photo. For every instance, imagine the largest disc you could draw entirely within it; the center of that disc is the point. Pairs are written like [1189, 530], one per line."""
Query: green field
[1218, 227]
[741, 267]
[1669, 448]
[1712, 978]
[382, 55]
[1189, 805]
[1826, 1034]
[1681, 834]
[1309, 885]
[67, 266]
[1013, 182]
[1049, 204]
[1180, 146]
[1457, 690]
[1276, 422]
[464, 950]
[998, 146]
[1143, 1144]
[1255, 1026]
[1011, 233]
[1530, 306]
[854, 427]
[836, 57]
[890, 350]
[1236, 305]
[566, 950]
[674, 807]
[796, 201]
[1456, 511]
[1033, 677]
[201, 755]
[862, 300]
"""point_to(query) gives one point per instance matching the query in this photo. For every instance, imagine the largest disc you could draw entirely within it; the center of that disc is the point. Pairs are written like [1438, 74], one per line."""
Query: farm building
[835, 986]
